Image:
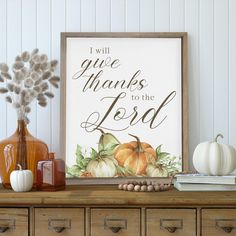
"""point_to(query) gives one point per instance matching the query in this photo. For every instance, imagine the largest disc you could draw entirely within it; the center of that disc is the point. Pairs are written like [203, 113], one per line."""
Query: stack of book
[199, 182]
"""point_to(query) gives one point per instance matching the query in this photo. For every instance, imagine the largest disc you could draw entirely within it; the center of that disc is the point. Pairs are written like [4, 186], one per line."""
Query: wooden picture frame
[83, 57]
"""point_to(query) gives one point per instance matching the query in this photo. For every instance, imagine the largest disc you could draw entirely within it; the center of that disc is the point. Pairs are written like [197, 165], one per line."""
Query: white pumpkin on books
[213, 158]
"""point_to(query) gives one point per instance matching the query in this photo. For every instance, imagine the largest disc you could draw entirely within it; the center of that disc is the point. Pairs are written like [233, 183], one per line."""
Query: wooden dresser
[106, 211]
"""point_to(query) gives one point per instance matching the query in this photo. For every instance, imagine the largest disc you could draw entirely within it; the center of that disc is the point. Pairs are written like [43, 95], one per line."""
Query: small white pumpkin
[156, 171]
[102, 167]
[21, 180]
[213, 158]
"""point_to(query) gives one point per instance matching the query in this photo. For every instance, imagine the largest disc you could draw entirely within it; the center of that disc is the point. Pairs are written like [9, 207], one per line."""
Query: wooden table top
[110, 195]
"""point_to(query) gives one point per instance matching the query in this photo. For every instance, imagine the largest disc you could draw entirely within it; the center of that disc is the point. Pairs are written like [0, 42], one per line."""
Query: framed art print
[124, 105]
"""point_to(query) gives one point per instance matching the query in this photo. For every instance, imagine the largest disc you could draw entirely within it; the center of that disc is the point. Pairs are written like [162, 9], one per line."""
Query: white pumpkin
[102, 167]
[156, 171]
[21, 180]
[213, 158]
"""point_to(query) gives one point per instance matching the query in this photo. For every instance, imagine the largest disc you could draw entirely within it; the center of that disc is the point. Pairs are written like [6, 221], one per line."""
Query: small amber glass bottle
[51, 174]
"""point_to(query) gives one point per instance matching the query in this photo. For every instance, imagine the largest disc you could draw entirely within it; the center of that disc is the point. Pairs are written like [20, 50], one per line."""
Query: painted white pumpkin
[213, 158]
[156, 171]
[21, 180]
[102, 167]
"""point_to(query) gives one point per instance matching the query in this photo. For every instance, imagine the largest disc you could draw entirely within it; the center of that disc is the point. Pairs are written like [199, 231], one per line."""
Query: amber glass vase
[21, 148]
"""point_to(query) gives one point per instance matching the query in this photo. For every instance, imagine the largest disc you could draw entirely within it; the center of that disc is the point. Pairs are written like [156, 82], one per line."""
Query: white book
[204, 187]
[208, 179]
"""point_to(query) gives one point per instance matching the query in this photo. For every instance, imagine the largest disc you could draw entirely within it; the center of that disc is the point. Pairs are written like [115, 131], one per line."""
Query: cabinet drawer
[63, 221]
[164, 222]
[14, 221]
[218, 222]
[107, 222]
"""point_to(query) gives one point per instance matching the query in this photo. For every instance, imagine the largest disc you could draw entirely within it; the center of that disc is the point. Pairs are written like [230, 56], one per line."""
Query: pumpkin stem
[217, 136]
[99, 156]
[139, 147]
[20, 167]
[100, 130]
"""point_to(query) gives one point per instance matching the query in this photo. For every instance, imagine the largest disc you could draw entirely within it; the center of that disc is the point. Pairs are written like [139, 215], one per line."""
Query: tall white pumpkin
[213, 158]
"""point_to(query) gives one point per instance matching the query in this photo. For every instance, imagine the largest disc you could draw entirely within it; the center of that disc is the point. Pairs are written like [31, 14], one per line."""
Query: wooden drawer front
[164, 222]
[14, 221]
[218, 222]
[59, 221]
[108, 222]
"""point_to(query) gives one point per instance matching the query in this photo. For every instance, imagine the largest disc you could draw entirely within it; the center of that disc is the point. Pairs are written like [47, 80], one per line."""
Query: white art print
[123, 106]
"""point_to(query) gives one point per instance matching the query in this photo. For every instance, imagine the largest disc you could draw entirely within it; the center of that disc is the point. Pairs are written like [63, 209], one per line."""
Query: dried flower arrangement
[32, 75]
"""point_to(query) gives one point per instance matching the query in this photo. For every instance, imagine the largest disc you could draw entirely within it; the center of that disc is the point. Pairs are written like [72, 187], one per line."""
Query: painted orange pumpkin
[135, 155]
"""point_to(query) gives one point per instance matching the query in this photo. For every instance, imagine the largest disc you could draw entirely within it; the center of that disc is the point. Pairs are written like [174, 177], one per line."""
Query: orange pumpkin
[135, 155]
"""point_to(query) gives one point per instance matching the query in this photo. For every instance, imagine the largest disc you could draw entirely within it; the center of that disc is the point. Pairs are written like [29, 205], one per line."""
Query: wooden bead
[166, 187]
[137, 188]
[130, 187]
[157, 188]
[150, 188]
[144, 188]
[161, 187]
[125, 186]
[120, 186]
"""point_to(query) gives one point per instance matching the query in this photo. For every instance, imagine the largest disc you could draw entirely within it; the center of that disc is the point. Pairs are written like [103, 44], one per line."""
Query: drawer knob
[59, 225]
[171, 229]
[58, 229]
[3, 229]
[227, 225]
[227, 229]
[171, 225]
[115, 225]
[115, 229]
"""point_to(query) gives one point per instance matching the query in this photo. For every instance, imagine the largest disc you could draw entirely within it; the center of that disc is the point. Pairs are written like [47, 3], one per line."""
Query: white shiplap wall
[211, 24]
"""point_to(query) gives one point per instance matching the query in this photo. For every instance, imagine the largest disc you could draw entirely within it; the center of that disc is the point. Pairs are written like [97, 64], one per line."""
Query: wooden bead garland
[144, 186]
